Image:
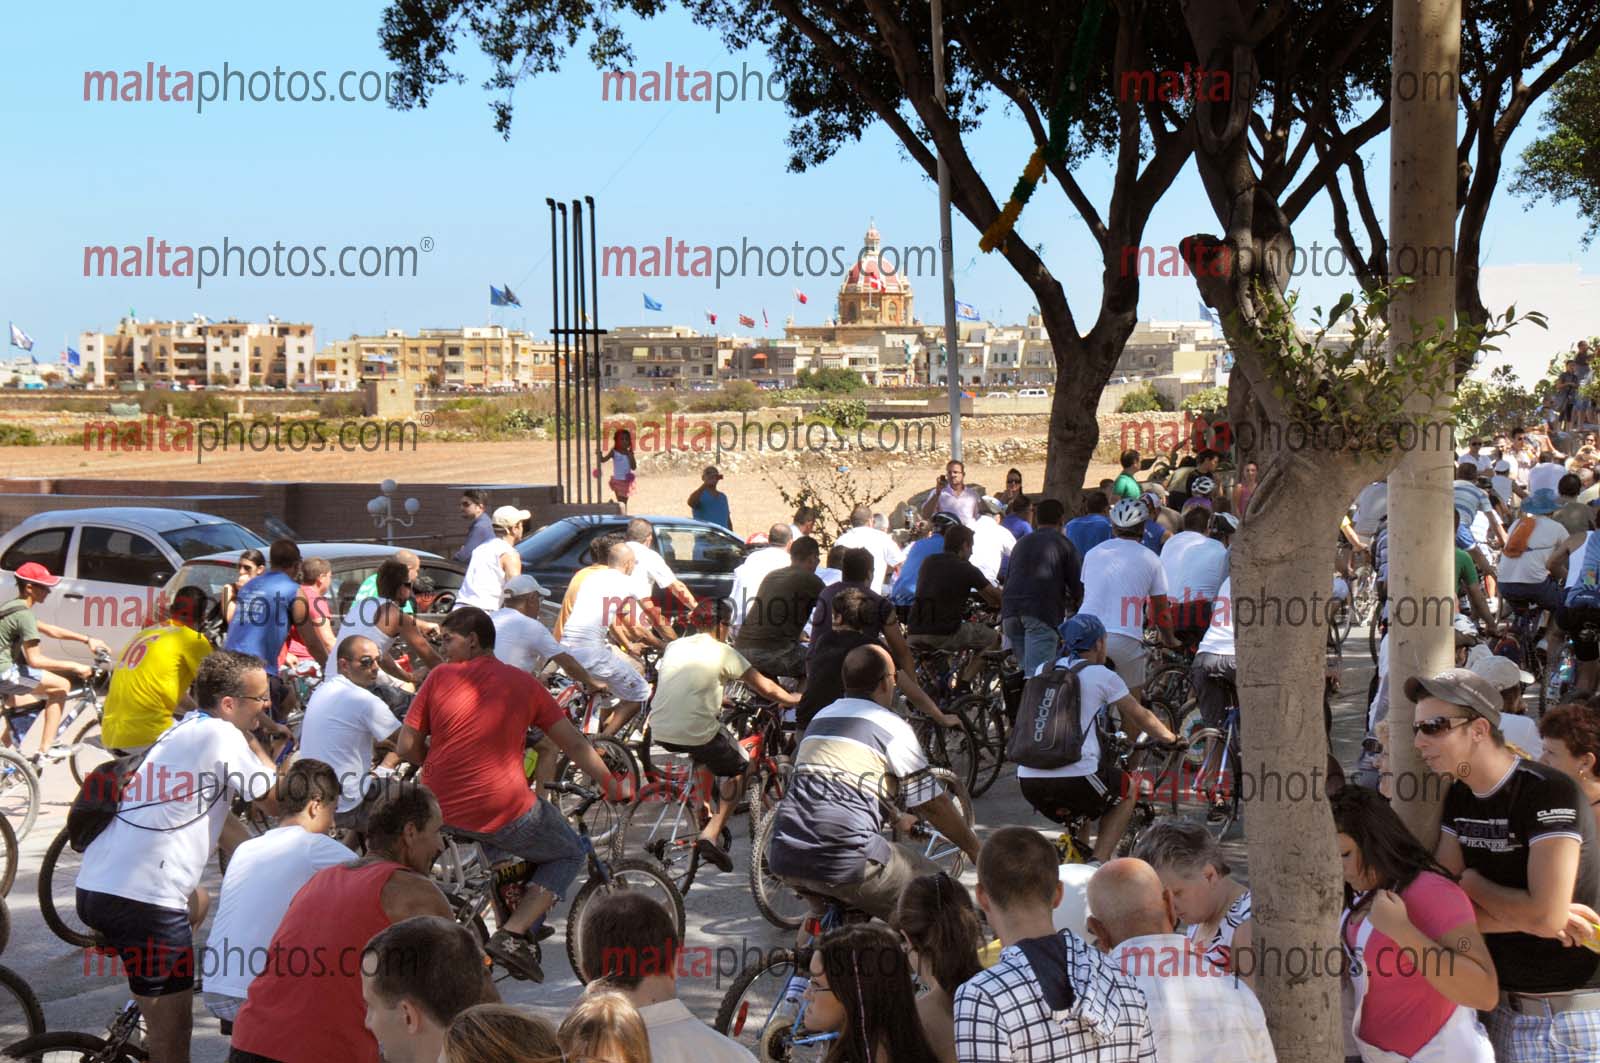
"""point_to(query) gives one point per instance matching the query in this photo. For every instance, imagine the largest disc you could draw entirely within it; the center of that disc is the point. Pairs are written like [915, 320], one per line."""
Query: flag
[711, 317]
[800, 295]
[651, 304]
[20, 338]
[510, 297]
[73, 358]
[764, 322]
[966, 311]
[1210, 315]
[497, 297]
[873, 281]
[747, 321]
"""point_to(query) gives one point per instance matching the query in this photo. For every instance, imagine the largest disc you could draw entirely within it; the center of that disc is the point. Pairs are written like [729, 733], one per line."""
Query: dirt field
[663, 485]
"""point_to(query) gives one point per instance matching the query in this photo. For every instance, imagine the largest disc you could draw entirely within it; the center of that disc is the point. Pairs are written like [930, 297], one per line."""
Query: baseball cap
[33, 572]
[1502, 466]
[1462, 687]
[1500, 671]
[992, 504]
[1081, 632]
[517, 586]
[506, 516]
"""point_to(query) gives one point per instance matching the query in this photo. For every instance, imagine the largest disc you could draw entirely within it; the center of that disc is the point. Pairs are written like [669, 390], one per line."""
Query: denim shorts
[155, 945]
[542, 837]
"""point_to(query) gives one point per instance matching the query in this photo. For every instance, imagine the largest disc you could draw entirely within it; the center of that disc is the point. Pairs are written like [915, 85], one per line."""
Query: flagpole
[952, 360]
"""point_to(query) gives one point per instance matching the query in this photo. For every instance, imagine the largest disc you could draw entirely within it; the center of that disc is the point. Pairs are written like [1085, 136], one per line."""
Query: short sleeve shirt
[943, 588]
[342, 723]
[477, 714]
[1098, 687]
[604, 596]
[650, 570]
[521, 641]
[20, 625]
[1497, 832]
[778, 613]
[688, 698]
[152, 674]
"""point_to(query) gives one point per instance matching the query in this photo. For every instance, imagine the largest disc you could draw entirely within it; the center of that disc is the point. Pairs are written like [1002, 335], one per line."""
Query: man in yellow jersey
[151, 681]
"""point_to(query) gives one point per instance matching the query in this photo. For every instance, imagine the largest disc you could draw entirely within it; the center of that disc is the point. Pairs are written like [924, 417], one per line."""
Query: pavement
[721, 914]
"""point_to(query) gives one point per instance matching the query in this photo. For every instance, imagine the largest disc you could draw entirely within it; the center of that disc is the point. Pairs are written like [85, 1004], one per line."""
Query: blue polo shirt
[904, 590]
[1088, 531]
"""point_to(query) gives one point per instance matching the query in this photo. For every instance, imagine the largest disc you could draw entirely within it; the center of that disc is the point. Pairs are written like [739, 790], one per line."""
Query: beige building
[659, 357]
[199, 351]
[482, 356]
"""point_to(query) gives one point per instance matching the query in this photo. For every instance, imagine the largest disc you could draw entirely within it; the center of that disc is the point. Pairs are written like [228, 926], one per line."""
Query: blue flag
[651, 304]
[22, 339]
[1209, 314]
[966, 311]
[496, 296]
[73, 358]
[510, 297]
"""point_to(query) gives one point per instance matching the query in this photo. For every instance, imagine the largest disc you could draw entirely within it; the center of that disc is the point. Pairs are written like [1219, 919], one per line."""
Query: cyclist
[1576, 562]
[384, 620]
[1093, 785]
[522, 641]
[685, 714]
[650, 570]
[24, 669]
[1525, 563]
[945, 585]
[858, 620]
[1181, 486]
[477, 710]
[757, 566]
[1195, 565]
[313, 637]
[904, 590]
[1046, 577]
[992, 542]
[150, 685]
[344, 718]
[826, 838]
[495, 562]
[606, 606]
[1121, 582]
[770, 636]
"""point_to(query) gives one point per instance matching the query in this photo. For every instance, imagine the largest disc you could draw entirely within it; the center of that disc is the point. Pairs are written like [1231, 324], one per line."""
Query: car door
[703, 557]
[115, 578]
[49, 547]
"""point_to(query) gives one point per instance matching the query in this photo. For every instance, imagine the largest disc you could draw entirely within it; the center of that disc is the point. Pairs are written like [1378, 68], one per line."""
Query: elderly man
[1193, 1011]
[651, 572]
[760, 564]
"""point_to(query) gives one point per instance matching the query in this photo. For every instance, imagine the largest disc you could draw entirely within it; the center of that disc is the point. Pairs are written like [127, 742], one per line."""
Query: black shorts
[1062, 800]
[154, 945]
[722, 756]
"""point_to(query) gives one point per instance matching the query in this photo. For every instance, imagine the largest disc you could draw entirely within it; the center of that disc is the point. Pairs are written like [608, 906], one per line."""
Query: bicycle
[1207, 786]
[1073, 842]
[1528, 623]
[778, 903]
[782, 1029]
[79, 727]
[123, 1042]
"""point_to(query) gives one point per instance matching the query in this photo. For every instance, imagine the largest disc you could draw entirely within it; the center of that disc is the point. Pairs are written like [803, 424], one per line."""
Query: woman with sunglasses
[860, 988]
[251, 564]
[1572, 744]
[1418, 962]
[940, 927]
[1013, 489]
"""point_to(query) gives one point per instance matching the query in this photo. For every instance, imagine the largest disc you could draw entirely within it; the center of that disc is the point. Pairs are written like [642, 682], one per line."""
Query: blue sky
[358, 173]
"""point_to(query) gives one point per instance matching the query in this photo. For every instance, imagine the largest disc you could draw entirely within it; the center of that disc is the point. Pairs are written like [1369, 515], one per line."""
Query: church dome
[871, 272]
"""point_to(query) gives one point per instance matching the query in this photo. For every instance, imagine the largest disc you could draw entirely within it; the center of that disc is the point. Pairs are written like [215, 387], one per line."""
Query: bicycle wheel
[1171, 686]
[66, 1046]
[19, 792]
[759, 1010]
[1363, 594]
[777, 903]
[953, 748]
[986, 720]
[641, 875]
[604, 816]
[659, 826]
[8, 869]
[1200, 783]
[765, 790]
[1559, 681]
[58, 893]
[934, 845]
[20, 1014]
[88, 750]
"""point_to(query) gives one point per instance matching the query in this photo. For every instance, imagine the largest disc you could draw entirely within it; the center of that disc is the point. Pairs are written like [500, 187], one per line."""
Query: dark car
[702, 555]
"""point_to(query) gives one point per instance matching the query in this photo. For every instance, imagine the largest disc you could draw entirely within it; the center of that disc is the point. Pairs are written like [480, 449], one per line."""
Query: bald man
[1193, 1007]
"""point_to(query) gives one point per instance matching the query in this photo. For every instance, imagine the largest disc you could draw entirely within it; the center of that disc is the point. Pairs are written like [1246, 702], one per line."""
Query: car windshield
[209, 576]
[203, 539]
[547, 541]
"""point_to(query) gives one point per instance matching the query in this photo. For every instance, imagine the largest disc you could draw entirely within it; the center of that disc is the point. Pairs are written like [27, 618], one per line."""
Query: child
[622, 465]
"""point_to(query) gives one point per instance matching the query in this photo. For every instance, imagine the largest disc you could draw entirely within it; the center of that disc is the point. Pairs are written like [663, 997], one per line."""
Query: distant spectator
[474, 510]
[1019, 516]
[709, 504]
[952, 495]
[1126, 484]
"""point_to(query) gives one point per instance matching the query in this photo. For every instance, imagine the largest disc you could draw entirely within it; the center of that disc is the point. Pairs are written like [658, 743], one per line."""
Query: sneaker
[544, 933]
[516, 954]
[714, 854]
[57, 753]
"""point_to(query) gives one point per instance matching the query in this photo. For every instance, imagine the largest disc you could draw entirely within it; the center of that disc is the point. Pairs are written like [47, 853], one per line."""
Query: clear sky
[354, 173]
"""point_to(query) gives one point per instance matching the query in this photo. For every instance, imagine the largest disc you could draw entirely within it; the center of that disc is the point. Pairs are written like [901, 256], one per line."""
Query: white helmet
[1202, 485]
[1129, 513]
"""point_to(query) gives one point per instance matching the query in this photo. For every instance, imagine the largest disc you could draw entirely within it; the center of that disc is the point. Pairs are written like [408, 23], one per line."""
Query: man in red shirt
[468, 727]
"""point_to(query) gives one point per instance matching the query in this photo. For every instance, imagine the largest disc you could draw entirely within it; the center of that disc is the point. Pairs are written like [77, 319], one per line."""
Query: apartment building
[482, 356]
[200, 351]
[656, 357]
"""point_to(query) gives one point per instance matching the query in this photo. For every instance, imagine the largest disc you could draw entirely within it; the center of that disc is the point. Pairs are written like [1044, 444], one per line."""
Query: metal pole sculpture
[576, 336]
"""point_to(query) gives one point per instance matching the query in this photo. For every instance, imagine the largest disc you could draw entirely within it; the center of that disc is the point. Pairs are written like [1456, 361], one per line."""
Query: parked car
[998, 395]
[1033, 393]
[352, 564]
[702, 555]
[113, 562]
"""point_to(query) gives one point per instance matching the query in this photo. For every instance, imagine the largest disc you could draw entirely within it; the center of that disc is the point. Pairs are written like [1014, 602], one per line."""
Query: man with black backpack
[1056, 743]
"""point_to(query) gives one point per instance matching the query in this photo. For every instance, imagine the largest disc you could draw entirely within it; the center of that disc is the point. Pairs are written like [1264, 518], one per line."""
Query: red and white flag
[711, 317]
[747, 321]
[800, 295]
[874, 281]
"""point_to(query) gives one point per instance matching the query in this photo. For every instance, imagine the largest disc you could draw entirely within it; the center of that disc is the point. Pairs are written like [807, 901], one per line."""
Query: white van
[1033, 393]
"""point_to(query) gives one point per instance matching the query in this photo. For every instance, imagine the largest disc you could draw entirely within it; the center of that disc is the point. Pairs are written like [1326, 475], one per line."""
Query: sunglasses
[366, 662]
[1438, 725]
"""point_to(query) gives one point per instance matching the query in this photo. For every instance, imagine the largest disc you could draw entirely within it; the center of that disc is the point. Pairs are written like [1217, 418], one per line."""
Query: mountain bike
[123, 1043]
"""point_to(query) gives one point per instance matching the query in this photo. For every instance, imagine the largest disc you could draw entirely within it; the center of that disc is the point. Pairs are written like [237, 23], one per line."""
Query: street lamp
[382, 510]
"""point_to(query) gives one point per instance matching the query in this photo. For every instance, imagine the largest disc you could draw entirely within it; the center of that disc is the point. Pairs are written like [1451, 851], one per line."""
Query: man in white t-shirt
[1090, 786]
[1546, 475]
[1505, 488]
[263, 877]
[651, 571]
[757, 566]
[991, 543]
[1216, 667]
[605, 608]
[951, 495]
[495, 562]
[139, 886]
[886, 553]
[1123, 581]
[1525, 574]
[1195, 565]
[1372, 505]
[343, 720]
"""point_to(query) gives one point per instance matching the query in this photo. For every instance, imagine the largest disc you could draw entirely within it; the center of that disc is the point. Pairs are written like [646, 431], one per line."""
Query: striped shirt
[856, 754]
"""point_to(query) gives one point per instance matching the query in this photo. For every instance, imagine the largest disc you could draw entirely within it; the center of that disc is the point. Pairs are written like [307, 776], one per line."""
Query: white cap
[506, 516]
[1502, 466]
[517, 586]
[1501, 671]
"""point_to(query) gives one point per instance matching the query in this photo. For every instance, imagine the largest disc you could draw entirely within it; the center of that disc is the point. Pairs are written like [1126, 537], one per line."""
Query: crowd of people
[331, 939]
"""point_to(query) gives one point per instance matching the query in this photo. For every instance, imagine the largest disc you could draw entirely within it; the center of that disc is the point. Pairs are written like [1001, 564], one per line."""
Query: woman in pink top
[1420, 968]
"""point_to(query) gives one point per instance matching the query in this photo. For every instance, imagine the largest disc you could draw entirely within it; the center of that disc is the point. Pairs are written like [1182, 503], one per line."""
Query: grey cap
[1459, 686]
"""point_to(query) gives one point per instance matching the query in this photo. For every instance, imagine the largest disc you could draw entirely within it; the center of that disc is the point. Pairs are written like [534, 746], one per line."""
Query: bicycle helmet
[1202, 485]
[1224, 524]
[1129, 513]
[943, 522]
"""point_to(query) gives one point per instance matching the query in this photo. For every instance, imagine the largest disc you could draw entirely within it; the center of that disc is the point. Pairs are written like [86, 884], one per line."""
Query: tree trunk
[1422, 172]
[1281, 568]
